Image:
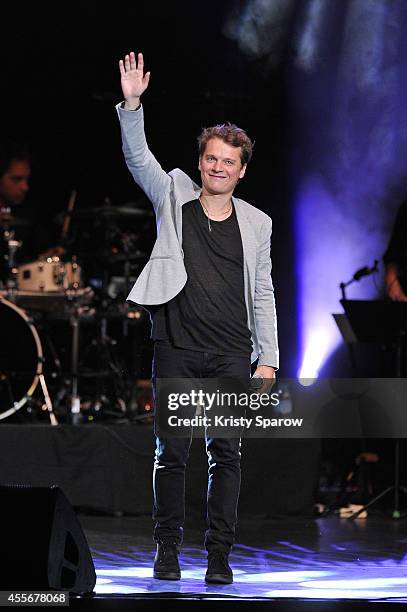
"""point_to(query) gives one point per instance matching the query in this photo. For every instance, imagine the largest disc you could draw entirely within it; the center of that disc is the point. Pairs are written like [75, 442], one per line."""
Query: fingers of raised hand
[127, 62]
[130, 63]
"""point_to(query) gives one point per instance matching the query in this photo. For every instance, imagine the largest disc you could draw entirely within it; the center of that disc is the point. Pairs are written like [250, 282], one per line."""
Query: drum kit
[68, 336]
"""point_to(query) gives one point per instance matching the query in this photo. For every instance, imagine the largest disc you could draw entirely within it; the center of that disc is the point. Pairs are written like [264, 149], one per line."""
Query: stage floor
[273, 560]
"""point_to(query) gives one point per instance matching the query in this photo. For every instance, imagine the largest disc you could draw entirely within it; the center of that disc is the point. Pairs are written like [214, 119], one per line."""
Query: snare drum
[21, 358]
[49, 275]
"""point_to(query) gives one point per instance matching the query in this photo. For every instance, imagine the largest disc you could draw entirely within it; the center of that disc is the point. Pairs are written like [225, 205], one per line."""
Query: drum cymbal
[109, 212]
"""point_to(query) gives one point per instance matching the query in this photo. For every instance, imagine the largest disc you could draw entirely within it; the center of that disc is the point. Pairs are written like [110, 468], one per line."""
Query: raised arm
[144, 167]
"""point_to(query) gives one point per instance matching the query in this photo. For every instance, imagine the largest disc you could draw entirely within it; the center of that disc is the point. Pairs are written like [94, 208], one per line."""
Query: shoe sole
[218, 579]
[167, 575]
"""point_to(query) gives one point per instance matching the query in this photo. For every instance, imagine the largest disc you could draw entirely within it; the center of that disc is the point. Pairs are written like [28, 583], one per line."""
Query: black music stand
[382, 322]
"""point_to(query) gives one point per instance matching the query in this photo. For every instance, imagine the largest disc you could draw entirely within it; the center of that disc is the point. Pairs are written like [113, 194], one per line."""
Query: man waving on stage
[209, 291]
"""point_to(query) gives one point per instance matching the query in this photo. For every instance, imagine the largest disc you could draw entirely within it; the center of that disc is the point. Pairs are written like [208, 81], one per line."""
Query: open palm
[133, 80]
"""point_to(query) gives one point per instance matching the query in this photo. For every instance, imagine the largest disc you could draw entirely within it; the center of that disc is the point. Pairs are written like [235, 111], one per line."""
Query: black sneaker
[166, 566]
[218, 571]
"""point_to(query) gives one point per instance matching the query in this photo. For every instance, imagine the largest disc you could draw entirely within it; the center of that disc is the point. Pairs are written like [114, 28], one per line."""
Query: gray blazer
[164, 275]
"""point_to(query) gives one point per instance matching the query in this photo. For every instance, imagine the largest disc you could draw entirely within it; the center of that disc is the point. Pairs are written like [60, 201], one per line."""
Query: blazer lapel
[248, 236]
[249, 259]
[186, 197]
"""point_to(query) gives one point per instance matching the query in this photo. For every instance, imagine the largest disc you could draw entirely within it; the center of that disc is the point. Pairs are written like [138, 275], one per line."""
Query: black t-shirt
[209, 314]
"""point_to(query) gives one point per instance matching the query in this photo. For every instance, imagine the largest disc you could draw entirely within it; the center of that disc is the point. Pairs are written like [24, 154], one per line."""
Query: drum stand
[75, 315]
[75, 399]
[47, 399]
[105, 347]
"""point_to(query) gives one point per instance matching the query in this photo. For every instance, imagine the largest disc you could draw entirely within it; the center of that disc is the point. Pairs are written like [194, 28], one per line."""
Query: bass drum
[21, 358]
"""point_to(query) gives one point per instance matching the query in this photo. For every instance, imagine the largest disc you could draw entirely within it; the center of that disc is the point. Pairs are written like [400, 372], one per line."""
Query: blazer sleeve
[144, 167]
[264, 302]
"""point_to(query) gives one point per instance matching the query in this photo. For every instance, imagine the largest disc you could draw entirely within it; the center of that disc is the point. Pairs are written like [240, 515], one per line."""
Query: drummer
[15, 170]
[16, 213]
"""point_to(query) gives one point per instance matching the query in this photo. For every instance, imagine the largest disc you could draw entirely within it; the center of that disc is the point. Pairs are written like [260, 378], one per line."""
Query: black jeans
[172, 453]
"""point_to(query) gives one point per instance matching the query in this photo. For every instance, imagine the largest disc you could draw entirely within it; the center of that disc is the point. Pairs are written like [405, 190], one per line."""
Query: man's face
[14, 183]
[221, 167]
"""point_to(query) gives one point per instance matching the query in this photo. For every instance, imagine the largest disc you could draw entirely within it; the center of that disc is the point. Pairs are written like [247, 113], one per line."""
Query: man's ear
[199, 162]
[242, 171]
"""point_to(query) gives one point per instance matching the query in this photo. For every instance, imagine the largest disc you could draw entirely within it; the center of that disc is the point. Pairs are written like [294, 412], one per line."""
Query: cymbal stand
[108, 346]
[75, 399]
[75, 315]
[111, 392]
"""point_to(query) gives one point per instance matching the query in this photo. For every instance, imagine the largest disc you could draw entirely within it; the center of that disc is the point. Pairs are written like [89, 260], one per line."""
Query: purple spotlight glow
[326, 254]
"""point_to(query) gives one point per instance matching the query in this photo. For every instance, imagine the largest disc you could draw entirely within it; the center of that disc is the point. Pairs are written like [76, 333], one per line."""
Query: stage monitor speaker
[42, 545]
